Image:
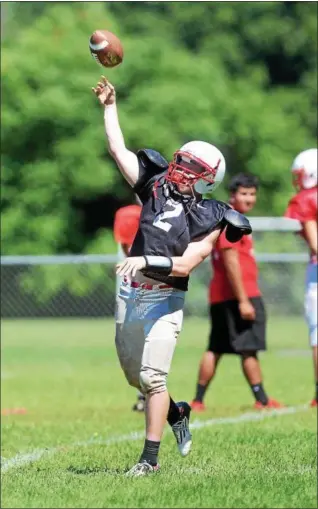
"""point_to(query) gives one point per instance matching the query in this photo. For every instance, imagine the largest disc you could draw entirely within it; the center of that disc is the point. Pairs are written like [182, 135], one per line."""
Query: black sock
[200, 392]
[173, 413]
[259, 393]
[150, 452]
[316, 391]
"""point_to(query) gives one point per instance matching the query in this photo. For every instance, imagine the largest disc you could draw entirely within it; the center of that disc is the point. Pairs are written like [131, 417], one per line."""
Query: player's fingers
[126, 271]
[105, 80]
[101, 84]
[125, 268]
[121, 271]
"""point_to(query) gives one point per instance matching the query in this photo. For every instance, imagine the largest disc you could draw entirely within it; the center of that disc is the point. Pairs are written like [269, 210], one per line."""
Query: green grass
[66, 374]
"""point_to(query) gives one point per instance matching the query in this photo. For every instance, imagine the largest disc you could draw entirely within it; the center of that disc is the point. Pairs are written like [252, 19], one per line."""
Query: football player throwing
[177, 231]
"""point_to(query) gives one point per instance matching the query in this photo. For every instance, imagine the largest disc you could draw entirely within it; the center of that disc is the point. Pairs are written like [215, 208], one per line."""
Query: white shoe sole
[185, 449]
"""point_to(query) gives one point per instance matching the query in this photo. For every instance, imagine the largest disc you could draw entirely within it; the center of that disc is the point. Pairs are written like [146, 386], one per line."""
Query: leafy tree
[239, 75]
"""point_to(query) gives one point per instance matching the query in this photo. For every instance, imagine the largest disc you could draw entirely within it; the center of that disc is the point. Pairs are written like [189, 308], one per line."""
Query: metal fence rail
[84, 286]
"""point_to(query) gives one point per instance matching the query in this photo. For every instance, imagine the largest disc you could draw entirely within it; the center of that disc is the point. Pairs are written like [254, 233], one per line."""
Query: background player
[237, 311]
[177, 231]
[303, 206]
[126, 224]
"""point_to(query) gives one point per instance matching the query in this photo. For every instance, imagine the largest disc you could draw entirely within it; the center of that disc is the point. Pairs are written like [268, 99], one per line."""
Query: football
[106, 48]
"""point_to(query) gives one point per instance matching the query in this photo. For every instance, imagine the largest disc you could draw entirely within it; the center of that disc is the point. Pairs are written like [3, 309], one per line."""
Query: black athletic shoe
[181, 429]
[141, 469]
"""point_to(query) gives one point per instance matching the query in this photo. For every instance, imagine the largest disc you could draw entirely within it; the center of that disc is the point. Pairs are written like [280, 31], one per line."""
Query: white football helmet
[304, 169]
[201, 154]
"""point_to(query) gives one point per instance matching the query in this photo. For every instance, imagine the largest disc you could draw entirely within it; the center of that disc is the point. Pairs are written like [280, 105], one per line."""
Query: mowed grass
[66, 374]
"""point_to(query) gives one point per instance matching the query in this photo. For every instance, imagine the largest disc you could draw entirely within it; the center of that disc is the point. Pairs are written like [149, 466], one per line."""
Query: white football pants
[148, 323]
[311, 301]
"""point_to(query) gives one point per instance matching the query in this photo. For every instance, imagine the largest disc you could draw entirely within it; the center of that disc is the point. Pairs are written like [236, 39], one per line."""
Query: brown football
[106, 48]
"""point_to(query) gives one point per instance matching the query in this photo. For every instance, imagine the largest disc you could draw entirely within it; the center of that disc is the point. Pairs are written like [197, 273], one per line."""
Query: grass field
[79, 435]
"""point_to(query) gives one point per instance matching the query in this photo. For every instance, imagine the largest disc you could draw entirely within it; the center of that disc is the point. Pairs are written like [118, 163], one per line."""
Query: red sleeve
[126, 224]
[301, 208]
[223, 243]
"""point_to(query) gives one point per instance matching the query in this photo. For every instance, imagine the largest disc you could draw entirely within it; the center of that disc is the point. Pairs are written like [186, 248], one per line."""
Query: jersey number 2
[159, 222]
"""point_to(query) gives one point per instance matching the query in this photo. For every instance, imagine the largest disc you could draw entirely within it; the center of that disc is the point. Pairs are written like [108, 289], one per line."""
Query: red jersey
[220, 286]
[126, 224]
[303, 207]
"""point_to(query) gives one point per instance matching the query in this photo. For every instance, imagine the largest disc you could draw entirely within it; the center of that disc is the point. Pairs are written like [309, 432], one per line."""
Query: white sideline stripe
[25, 459]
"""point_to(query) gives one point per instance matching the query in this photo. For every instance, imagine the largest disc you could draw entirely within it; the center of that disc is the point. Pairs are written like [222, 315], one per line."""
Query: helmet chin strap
[170, 189]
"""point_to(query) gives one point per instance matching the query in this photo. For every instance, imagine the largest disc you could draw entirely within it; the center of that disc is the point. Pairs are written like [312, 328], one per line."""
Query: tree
[207, 71]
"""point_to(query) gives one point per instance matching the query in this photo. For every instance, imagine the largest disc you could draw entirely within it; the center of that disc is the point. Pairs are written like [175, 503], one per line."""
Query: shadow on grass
[96, 470]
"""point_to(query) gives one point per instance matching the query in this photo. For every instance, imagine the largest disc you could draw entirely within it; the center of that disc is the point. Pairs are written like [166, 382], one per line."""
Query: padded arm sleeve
[237, 225]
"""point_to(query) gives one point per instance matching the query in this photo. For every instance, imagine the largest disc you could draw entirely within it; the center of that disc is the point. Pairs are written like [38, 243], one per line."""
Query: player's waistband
[145, 286]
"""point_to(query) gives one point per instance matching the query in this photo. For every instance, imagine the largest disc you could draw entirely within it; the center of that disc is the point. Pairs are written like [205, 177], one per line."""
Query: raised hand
[105, 92]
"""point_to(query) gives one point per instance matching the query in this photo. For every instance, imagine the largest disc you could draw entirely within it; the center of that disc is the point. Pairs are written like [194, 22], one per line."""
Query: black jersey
[169, 221]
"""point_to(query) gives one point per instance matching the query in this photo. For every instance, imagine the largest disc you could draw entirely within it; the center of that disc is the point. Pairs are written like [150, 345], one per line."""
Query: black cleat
[181, 429]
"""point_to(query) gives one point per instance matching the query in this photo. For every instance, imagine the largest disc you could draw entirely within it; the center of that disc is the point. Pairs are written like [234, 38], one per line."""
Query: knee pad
[133, 381]
[131, 372]
[152, 381]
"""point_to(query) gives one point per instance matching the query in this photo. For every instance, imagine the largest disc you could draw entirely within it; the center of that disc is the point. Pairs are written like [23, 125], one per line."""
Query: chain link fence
[66, 286]
[85, 286]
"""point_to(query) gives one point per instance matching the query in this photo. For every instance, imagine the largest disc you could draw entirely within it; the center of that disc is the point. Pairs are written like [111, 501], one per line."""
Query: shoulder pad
[147, 155]
[237, 225]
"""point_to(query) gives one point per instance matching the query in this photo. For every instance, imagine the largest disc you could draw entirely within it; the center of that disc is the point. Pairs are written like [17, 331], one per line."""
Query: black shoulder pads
[147, 155]
[237, 225]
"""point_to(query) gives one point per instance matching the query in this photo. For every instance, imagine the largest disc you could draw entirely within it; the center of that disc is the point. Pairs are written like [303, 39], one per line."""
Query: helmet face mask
[183, 174]
[298, 176]
[196, 165]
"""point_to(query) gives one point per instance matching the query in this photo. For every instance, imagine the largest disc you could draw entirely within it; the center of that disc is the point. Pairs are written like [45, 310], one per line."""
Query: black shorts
[231, 334]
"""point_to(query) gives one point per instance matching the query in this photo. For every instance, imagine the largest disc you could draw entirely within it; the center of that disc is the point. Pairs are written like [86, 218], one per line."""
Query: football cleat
[140, 404]
[197, 406]
[314, 403]
[141, 469]
[181, 429]
[271, 403]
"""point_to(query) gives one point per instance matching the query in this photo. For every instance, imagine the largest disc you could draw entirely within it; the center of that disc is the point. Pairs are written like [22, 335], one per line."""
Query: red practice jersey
[126, 224]
[220, 287]
[303, 206]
